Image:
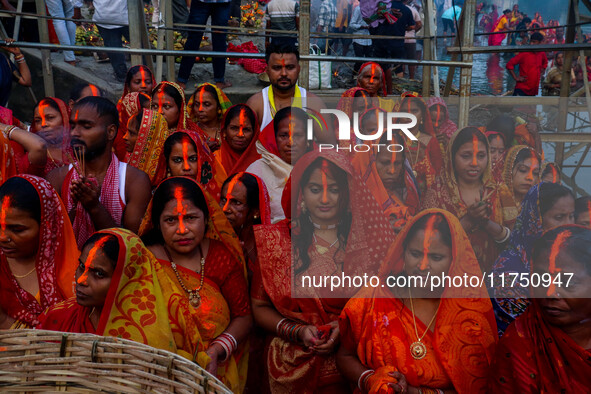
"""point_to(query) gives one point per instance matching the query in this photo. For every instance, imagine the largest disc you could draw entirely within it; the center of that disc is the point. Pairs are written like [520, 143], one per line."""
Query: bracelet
[7, 131]
[289, 330]
[363, 377]
[505, 236]
[228, 343]
[20, 61]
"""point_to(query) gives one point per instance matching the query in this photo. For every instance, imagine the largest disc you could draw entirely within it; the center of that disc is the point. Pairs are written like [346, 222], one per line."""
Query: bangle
[362, 378]
[228, 343]
[505, 235]
[20, 61]
[7, 131]
[289, 330]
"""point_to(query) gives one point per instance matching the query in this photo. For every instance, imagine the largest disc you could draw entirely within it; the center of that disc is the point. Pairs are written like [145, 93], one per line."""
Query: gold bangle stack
[8, 130]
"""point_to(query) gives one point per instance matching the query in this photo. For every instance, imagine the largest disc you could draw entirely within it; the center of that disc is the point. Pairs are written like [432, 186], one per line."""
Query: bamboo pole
[47, 68]
[304, 43]
[466, 74]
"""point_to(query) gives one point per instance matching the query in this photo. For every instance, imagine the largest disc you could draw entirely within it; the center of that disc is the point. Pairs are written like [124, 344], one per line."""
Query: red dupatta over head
[57, 260]
[231, 160]
[382, 80]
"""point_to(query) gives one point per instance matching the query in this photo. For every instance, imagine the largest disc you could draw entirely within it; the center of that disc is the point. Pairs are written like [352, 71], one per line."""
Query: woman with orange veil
[392, 342]
[38, 251]
[240, 132]
[336, 227]
[467, 189]
[389, 178]
[354, 100]
[206, 108]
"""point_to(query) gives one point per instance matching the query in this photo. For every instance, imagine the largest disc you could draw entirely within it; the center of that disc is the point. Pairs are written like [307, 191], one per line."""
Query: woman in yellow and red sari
[123, 290]
[389, 179]
[466, 189]
[169, 99]
[372, 78]
[38, 250]
[436, 342]
[354, 100]
[205, 109]
[547, 348]
[336, 226]
[196, 245]
[139, 79]
[147, 151]
[240, 132]
[130, 106]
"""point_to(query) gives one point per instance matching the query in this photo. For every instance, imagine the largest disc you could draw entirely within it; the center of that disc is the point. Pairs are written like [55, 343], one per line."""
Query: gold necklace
[418, 350]
[23, 276]
[194, 296]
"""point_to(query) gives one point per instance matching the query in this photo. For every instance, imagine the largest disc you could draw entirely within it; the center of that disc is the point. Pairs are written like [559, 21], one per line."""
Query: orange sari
[57, 260]
[293, 369]
[7, 160]
[445, 194]
[379, 328]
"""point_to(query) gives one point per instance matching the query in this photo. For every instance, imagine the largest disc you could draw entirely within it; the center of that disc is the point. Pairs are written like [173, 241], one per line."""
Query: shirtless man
[283, 69]
[109, 193]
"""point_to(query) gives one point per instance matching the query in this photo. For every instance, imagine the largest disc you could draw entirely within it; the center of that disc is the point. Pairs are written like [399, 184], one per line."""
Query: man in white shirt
[410, 43]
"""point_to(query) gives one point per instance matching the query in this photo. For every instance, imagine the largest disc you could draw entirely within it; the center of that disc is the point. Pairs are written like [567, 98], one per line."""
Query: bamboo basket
[49, 362]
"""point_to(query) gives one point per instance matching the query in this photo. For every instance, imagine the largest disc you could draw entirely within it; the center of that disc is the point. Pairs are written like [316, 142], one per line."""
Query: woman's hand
[10, 48]
[402, 386]
[479, 212]
[308, 335]
[215, 352]
[329, 344]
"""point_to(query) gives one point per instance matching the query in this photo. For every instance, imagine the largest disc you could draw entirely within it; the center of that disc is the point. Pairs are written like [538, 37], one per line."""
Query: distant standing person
[410, 42]
[531, 66]
[327, 17]
[361, 46]
[113, 11]
[200, 11]
[282, 15]
[388, 18]
[450, 17]
[9, 71]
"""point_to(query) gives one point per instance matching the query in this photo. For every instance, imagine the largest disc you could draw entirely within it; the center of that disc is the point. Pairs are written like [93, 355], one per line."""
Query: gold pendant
[415, 173]
[321, 249]
[195, 300]
[418, 350]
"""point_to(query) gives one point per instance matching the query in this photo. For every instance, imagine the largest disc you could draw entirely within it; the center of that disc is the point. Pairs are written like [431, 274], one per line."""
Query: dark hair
[173, 139]
[577, 245]
[211, 90]
[136, 119]
[283, 113]
[505, 125]
[110, 248]
[368, 114]
[134, 70]
[51, 102]
[165, 193]
[526, 20]
[537, 36]
[440, 225]
[252, 190]
[23, 196]
[303, 241]
[143, 98]
[465, 135]
[282, 49]
[104, 107]
[396, 139]
[582, 205]
[524, 154]
[548, 169]
[550, 193]
[76, 93]
[172, 92]
[234, 111]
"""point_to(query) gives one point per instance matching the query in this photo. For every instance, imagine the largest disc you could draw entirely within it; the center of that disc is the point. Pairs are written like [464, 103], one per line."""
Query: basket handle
[63, 345]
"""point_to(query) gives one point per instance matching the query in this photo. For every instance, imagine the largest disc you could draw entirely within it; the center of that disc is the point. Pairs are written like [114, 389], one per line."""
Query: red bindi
[180, 210]
[242, 120]
[90, 258]
[554, 251]
[186, 155]
[474, 149]
[324, 181]
[42, 107]
[429, 233]
[3, 212]
[231, 186]
[160, 100]
[143, 76]
[94, 90]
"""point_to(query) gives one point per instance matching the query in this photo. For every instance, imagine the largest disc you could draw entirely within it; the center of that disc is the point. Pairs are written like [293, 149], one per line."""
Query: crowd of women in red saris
[216, 275]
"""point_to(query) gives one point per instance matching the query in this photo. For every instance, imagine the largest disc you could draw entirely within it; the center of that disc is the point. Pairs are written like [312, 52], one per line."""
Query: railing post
[46, 67]
[304, 42]
[138, 34]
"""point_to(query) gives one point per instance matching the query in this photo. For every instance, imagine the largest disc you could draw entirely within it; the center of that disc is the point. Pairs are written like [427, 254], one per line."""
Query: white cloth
[274, 172]
[411, 34]
[267, 116]
[112, 11]
[355, 24]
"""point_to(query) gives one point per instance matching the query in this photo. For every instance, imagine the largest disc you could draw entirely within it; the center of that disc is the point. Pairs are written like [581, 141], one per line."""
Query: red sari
[379, 328]
[536, 357]
[233, 161]
[293, 369]
[55, 265]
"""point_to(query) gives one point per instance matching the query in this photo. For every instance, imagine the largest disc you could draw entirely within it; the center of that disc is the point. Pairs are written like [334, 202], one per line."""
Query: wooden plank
[469, 10]
[304, 42]
[17, 20]
[427, 44]
[520, 48]
[566, 137]
[135, 15]
[169, 37]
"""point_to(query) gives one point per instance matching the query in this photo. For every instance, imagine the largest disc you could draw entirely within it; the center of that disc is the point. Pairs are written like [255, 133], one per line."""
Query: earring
[256, 216]
[303, 206]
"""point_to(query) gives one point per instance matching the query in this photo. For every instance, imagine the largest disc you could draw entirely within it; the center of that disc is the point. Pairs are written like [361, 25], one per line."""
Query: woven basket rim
[35, 354]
